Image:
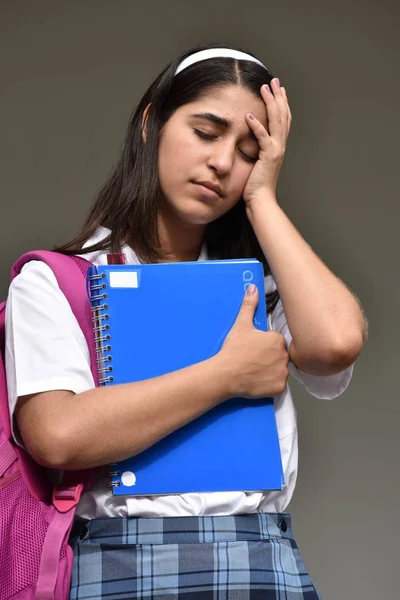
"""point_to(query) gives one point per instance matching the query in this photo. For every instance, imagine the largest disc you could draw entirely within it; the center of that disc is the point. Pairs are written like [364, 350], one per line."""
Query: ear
[144, 121]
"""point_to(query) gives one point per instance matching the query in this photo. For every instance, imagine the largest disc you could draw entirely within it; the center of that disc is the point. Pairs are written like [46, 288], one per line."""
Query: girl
[196, 180]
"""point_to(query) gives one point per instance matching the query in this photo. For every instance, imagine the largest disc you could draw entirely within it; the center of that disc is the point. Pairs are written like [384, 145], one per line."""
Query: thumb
[249, 305]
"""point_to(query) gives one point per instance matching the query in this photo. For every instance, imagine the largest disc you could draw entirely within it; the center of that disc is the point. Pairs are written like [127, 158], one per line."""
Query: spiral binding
[101, 328]
[102, 337]
[114, 473]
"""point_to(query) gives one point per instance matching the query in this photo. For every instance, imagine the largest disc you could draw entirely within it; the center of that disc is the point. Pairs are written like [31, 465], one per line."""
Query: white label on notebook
[128, 478]
[124, 279]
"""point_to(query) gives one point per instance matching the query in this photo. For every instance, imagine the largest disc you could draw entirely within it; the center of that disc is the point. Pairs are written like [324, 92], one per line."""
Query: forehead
[231, 102]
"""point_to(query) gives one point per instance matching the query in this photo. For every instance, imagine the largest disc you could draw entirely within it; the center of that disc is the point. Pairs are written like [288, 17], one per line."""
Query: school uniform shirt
[46, 350]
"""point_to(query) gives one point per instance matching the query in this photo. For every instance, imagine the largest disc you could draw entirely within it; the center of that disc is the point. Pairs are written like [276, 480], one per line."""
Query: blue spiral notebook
[153, 319]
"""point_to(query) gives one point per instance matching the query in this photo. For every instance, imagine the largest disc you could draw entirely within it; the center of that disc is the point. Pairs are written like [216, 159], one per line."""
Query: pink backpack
[36, 517]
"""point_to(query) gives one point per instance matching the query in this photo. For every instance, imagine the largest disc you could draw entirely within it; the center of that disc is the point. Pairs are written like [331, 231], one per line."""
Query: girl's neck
[179, 242]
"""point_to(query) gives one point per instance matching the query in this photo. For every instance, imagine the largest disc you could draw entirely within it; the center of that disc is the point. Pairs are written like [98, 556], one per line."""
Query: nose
[221, 158]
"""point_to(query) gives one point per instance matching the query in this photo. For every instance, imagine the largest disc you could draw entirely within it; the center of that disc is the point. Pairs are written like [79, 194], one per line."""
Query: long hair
[129, 201]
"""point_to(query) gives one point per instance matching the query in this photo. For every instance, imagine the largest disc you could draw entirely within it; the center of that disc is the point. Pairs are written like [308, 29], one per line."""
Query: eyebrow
[221, 122]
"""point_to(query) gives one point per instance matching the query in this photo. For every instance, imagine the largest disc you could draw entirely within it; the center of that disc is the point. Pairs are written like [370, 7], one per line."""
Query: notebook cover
[167, 316]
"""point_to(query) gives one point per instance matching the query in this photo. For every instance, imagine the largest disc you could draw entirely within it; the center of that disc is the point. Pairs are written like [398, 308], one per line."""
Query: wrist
[261, 196]
[223, 377]
[258, 203]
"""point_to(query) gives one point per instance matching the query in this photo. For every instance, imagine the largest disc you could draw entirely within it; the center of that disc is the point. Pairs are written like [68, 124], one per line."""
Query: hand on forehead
[229, 104]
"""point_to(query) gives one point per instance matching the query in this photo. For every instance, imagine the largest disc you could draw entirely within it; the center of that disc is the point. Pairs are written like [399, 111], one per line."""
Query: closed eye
[204, 136]
[252, 159]
[207, 136]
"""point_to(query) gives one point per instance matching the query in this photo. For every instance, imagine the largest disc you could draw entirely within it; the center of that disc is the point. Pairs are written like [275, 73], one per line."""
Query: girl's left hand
[264, 175]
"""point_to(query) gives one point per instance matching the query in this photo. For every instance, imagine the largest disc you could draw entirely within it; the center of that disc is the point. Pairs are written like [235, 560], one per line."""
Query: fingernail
[251, 117]
[284, 92]
[278, 82]
[266, 86]
[251, 289]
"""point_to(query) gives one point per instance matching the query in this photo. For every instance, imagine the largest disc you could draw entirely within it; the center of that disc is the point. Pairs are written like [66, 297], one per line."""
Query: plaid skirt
[243, 557]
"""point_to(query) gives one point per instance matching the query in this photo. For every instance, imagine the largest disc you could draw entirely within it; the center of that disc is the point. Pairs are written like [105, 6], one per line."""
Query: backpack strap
[70, 272]
[59, 528]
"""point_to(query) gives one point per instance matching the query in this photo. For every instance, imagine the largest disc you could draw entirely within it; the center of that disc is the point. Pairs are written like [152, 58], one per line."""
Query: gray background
[71, 73]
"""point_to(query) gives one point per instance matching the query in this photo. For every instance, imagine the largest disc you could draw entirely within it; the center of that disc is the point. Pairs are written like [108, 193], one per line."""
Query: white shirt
[46, 350]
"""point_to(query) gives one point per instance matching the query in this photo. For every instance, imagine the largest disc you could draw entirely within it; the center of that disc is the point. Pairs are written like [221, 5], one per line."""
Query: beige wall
[71, 73]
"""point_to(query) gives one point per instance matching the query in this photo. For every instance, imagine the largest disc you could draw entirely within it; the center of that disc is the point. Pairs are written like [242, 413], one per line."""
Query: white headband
[215, 53]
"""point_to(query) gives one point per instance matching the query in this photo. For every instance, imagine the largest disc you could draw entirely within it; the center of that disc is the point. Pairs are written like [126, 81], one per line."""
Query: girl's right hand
[255, 362]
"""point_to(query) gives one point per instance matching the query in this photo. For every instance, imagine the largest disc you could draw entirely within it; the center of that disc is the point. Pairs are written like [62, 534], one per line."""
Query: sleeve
[45, 347]
[325, 387]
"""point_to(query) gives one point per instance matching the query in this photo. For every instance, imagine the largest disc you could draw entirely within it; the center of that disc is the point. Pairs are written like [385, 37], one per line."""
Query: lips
[210, 186]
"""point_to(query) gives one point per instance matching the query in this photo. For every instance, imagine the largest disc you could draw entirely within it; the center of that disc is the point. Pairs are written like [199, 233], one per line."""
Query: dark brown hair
[129, 200]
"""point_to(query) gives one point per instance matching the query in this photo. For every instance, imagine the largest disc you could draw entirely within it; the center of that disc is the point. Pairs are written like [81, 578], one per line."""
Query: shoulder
[36, 308]
[35, 291]
[34, 274]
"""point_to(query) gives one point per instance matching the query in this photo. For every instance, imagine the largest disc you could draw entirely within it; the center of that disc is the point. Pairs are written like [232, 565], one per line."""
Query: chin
[200, 214]
[199, 219]
[196, 220]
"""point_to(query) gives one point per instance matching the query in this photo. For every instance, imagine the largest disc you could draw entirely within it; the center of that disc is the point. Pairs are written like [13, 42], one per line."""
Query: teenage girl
[196, 179]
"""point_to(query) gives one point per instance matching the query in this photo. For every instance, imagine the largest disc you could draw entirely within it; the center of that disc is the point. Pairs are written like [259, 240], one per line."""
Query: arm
[108, 424]
[324, 317]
